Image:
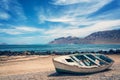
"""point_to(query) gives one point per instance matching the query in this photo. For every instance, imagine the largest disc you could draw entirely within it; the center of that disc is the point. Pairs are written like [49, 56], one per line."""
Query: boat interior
[90, 60]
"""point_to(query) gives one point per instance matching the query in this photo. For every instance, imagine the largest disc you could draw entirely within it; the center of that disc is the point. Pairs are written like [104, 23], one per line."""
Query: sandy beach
[35, 67]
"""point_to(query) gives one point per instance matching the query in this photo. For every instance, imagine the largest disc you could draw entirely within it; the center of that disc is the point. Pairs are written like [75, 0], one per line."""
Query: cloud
[83, 7]
[109, 15]
[82, 32]
[102, 25]
[11, 8]
[4, 16]
[55, 32]
[61, 19]
[21, 30]
[75, 14]
[41, 16]
[42, 19]
[28, 29]
[67, 2]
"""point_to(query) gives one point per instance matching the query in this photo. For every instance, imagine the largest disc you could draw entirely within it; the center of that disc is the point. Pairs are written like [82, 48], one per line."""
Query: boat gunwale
[83, 67]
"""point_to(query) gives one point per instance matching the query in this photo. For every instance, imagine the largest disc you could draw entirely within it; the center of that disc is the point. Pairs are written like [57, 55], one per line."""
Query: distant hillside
[101, 37]
[65, 40]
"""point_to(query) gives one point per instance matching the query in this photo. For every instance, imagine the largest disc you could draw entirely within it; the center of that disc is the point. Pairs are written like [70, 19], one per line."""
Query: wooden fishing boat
[82, 63]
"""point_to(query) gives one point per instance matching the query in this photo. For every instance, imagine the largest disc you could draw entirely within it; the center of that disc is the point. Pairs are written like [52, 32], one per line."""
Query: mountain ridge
[100, 37]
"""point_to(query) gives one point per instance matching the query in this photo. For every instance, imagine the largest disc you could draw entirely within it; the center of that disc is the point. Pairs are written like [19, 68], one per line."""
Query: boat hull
[64, 68]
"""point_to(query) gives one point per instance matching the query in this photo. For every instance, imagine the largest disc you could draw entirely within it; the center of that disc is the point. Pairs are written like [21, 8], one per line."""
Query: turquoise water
[60, 48]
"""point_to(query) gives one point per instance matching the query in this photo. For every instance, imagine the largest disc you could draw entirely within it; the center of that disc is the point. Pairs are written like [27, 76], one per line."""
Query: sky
[41, 21]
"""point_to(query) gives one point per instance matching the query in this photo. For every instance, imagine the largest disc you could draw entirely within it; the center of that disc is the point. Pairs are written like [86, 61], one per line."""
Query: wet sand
[42, 68]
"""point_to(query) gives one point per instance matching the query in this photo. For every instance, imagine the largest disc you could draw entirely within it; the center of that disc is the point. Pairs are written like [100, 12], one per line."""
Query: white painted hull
[75, 69]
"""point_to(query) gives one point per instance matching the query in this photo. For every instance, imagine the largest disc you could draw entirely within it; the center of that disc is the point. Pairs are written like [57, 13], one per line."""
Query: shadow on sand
[55, 74]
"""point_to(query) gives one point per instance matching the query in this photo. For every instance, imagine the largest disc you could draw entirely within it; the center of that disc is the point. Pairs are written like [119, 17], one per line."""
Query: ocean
[60, 47]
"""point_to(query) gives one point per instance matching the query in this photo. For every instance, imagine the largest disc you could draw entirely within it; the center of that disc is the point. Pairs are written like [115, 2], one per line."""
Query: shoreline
[21, 53]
